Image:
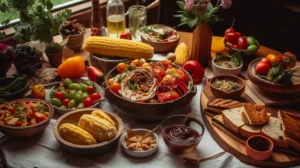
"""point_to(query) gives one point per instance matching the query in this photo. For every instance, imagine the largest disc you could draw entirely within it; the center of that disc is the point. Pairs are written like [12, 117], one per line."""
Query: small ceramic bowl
[254, 145]
[218, 70]
[179, 145]
[139, 154]
[227, 95]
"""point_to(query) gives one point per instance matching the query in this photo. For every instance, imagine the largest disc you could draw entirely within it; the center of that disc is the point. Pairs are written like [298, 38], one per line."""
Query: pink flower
[226, 3]
[3, 48]
[189, 4]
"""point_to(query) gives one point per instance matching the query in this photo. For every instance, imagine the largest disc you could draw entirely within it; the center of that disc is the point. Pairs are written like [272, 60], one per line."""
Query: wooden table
[185, 37]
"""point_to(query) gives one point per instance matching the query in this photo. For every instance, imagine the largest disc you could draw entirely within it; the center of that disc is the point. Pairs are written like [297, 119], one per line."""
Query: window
[58, 4]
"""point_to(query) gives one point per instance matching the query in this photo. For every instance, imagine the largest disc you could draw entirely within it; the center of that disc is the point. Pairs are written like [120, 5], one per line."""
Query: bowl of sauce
[182, 133]
[259, 147]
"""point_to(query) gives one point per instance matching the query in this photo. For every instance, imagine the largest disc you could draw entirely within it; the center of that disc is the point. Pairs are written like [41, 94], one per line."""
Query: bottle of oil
[115, 13]
[97, 26]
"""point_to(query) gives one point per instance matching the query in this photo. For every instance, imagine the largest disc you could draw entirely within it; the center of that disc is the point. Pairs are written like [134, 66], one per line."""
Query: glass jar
[115, 13]
[137, 20]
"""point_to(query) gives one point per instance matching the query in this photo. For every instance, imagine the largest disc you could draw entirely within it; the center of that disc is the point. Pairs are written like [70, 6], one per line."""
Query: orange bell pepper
[73, 67]
[38, 91]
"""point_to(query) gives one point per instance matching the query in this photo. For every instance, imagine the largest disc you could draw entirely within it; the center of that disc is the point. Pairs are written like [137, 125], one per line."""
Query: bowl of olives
[69, 95]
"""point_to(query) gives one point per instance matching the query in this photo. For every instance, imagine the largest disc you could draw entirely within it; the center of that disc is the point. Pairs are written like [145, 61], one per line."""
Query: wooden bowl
[28, 131]
[86, 150]
[227, 95]
[15, 95]
[268, 87]
[162, 47]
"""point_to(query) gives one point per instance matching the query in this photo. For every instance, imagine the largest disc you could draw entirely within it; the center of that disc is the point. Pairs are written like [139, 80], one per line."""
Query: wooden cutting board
[236, 145]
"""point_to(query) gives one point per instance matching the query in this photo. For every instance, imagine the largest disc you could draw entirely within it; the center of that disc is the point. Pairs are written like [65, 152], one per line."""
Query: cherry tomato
[67, 90]
[158, 72]
[30, 115]
[141, 101]
[66, 102]
[59, 95]
[19, 123]
[115, 87]
[229, 30]
[165, 40]
[272, 58]
[233, 37]
[90, 89]
[61, 84]
[95, 31]
[242, 42]
[126, 35]
[266, 60]
[12, 110]
[262, 68]
[170, 32]
[87, 101]
[95, 96]
[146, 65]
[110, 81]
[121, 67]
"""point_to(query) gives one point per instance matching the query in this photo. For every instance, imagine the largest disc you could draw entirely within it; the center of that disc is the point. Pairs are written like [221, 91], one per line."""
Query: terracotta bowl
[256, 154]
[268, 87]
[28, 131]
[162, 47]
[86, 150]
[75, 42]
[227, 95]
[148, 111]
[218, 70]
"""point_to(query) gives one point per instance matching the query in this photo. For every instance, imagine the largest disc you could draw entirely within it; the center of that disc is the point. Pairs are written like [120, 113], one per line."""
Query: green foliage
[193, 18]
[53, 48]
[37, 23]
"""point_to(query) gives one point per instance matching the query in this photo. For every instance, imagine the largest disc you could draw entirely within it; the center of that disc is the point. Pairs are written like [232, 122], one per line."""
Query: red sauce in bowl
[181, 132]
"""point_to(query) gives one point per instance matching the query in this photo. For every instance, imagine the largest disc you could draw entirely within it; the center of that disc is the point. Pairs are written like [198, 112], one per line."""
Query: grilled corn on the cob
[182, 53]
[118, 47]
[100, 128]
[102, 114]
[75, 134]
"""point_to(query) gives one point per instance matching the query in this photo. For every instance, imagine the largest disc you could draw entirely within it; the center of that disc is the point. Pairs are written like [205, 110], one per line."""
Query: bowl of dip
[259, 147]
[226, 66]
[182, 133]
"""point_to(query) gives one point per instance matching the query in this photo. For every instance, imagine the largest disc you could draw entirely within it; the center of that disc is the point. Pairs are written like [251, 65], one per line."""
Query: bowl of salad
[149, 91]
[161, 37]
[25, 117]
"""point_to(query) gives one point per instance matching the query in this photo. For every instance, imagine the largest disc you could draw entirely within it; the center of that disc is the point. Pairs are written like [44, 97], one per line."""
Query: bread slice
[254, 114]
[274, 131]
[291, 128]
[232, 118]
[248, 130]
[218, 105]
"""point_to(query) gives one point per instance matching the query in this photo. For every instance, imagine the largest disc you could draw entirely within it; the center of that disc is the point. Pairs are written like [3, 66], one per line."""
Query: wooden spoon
[197, 161]
[151, 132]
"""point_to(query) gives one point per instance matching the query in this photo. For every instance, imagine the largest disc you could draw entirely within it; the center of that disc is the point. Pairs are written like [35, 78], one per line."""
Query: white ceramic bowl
[139, 154]
[225, 71]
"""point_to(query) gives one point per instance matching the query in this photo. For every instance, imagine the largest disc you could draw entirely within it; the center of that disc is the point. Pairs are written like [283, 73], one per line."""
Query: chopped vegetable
[226, 85]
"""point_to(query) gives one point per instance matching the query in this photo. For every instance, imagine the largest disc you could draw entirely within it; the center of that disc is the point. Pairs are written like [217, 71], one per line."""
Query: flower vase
[201, 47]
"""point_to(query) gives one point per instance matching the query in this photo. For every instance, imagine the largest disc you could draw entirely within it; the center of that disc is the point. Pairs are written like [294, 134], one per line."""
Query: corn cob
[76, 135]
[102, 114]
[118, 47]
[182, 54]
[100, 128]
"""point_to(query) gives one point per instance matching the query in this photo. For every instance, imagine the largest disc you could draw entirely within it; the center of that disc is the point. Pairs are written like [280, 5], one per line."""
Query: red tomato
[66, 102]
[19, 123]
[229, 30]
[236, 46]
[242, 42]
[59, 95]
[87, 102]
[233, 37]
[158, 72]
[30, 115]
[115, 87]
[165, 63]
[165, 40]
[12, 110]
[90, 89]
[168, 79]
[182, 76]
[195, 69]
[95, 96]
[167, 96]
[262, 68]
[266, 60]
[67, 90]
[126, 35]
[141, 101]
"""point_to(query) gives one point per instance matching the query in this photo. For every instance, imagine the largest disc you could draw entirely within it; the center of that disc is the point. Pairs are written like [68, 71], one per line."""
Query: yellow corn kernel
[118, 47]
[100, 128]
[103, 115]
[182, 54]
[76, 135]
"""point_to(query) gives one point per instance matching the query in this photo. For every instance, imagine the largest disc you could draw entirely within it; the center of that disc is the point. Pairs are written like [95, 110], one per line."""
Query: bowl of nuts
[139, 142]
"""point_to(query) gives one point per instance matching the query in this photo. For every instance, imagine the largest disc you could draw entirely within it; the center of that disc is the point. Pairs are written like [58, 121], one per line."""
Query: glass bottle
[115, 13]
[97, 20]
[137, 20]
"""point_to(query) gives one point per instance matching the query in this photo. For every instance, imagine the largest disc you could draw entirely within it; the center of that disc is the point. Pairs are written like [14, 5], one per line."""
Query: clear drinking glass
[137, 20]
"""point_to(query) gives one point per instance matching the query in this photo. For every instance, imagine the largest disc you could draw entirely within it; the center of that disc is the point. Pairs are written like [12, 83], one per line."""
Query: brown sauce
[259, 144]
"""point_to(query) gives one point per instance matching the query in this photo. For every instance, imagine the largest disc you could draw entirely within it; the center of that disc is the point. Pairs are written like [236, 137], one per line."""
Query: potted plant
[75, 32]
[54, 52]
[36, 20]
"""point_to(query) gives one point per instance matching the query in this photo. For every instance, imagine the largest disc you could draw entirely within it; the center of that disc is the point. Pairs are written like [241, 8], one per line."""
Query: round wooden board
[235, 147]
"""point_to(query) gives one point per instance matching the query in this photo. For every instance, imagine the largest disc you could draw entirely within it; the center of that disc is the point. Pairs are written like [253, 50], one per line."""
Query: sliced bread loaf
[248, 130]
[254, 114]
[232, 118]
[274, 131]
